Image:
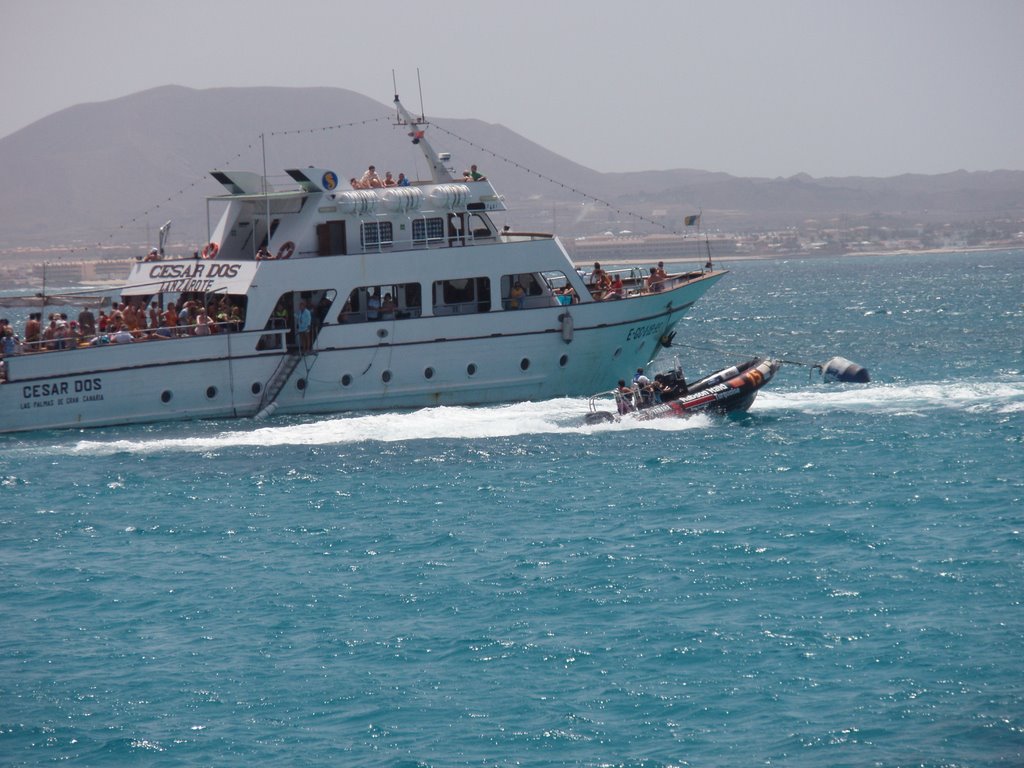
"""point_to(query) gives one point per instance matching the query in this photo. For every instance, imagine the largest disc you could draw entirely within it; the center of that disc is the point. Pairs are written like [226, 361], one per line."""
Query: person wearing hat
[60, 334]
[11, 344]
[154, 255]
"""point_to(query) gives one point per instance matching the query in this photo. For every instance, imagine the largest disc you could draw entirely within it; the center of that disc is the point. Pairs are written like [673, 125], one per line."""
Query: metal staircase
[268, 402]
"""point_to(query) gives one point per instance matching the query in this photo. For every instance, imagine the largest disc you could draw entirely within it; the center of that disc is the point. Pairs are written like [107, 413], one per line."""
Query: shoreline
[804, 256]
[10, 272]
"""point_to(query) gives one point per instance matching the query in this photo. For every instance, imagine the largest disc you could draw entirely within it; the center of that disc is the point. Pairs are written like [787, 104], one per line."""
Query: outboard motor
[841, 369]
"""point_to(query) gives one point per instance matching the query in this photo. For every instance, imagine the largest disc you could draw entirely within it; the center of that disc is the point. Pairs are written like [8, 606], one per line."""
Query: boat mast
[266, 191]
[42, 312]
[438, 172]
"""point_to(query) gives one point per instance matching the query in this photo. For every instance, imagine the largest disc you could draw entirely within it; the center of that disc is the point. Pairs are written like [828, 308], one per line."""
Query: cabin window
[529, 290]
[376, 234]
[462, 296]
[372, 303]
[479, 227]
[425, 231]
[320, 303]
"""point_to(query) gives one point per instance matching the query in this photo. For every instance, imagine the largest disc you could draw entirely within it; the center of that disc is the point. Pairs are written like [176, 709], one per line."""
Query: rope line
[721, 350]
[539, 175]
[339, 126]
[138, 218]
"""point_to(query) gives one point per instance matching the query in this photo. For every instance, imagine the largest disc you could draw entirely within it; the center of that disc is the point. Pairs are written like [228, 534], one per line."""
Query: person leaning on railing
[10, 344]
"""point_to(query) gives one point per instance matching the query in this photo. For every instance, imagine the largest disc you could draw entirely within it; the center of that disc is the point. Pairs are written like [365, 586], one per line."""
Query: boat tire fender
[286, 250]
[568, 327]
[210, 251]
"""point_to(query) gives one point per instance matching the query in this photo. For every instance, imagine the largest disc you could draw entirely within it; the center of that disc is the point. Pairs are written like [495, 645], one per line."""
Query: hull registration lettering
[643, 331]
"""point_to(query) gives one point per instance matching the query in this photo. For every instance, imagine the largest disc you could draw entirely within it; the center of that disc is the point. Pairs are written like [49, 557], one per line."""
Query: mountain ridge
[122, 167]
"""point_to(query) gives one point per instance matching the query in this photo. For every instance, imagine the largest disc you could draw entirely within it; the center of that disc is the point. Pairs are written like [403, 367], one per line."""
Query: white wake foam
[564, 416]
[1000, 397]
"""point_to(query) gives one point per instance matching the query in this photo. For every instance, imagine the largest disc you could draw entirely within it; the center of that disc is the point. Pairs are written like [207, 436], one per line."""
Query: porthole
[386, 376]
[563, 360]
[524, 363]
[165, 396]
[428, 373]
[300, 384]
[471, 369]
[256, 387]
[346, 380]
[211, 392]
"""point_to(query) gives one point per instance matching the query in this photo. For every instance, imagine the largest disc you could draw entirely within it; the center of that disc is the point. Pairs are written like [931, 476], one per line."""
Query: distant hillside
[111, 173]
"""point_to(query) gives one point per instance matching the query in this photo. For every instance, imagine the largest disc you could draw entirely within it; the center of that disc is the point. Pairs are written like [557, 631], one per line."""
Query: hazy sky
[751, 87]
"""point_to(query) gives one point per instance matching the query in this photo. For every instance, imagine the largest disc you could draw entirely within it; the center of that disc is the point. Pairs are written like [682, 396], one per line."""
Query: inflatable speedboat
[725, 391]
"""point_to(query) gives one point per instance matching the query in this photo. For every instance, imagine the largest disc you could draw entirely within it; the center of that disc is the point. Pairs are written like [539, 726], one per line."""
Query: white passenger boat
[417, 298]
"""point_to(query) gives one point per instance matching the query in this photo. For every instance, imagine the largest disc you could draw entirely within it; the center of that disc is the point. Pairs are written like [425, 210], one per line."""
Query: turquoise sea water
[833, 579]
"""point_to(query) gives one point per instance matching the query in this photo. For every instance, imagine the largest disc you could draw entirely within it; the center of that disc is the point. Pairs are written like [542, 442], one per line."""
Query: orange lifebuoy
[210, 250]
[286, 250]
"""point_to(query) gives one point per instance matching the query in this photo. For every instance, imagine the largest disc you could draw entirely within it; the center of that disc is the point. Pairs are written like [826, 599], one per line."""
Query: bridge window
[426, 231]
[376, 234]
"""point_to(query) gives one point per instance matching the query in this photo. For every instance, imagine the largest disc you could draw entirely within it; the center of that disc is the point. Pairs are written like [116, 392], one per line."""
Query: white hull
[224, 376]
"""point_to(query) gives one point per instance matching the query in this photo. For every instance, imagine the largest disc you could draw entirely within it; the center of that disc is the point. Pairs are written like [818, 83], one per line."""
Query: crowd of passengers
[125, 323]
[605, 286]
[372, 180]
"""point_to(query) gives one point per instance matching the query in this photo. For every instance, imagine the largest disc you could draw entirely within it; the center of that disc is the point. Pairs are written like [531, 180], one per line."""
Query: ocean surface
[833, 579]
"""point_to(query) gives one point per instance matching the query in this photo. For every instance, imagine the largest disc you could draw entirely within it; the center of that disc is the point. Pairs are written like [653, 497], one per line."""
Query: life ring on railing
[286, 250]
[210, 251]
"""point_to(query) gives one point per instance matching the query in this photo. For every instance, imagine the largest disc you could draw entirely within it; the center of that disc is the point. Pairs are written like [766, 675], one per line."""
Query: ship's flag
[691, 220]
